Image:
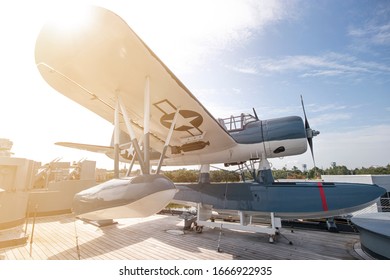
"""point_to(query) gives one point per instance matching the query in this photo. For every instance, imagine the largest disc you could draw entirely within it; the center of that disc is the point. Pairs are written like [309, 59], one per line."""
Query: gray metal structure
[374, 229]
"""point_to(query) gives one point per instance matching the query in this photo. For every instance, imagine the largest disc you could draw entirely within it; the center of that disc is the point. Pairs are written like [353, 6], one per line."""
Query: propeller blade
[310, 141]
[304, 113]
[309, 132]
[254, 111]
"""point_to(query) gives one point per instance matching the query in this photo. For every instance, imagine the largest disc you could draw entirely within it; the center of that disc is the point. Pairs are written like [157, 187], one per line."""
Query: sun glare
[69, 17]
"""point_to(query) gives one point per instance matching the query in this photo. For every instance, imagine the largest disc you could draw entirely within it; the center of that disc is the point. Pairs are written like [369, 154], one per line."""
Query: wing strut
[143, 159]
[169, 136]
[116, 141]
[146, 126]
[133, 138]
[132, 160]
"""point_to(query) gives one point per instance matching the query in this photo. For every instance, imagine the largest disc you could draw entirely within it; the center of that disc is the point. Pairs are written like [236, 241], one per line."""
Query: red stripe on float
[323, 197]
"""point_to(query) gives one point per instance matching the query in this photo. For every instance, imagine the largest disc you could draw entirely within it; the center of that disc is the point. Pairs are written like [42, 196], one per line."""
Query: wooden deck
[155, 237]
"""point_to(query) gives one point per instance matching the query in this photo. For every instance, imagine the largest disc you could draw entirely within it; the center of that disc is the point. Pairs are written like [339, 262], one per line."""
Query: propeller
[310, 133]
[254, 111]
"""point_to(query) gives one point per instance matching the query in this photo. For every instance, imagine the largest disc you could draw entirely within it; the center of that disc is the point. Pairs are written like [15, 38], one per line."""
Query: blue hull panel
[289, 200]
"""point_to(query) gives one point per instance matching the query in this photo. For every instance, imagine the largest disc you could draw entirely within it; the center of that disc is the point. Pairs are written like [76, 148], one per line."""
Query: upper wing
[103, 60]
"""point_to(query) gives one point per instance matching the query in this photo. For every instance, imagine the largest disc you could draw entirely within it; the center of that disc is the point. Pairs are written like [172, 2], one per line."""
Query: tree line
[184, 175]
[316, 172]
[190, 176]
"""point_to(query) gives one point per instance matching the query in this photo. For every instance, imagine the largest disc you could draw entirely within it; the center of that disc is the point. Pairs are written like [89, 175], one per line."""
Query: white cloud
[362, 147]
[328, 64]
[330, 118]
[326, 107]
[188, 33]
[372, 33]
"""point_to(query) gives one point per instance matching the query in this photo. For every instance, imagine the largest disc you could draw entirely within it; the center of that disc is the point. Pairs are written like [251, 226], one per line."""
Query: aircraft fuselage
[277, 137]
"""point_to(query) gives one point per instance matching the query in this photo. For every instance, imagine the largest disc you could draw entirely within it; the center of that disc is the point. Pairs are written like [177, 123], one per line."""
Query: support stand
[265, 172]
[204, 176]
[204, 214]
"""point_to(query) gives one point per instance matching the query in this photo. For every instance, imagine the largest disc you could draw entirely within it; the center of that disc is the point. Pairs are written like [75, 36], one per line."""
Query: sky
[233, 56]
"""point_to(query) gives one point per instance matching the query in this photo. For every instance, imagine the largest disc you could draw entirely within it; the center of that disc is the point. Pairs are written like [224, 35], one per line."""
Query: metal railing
[234, 123]
[384, 203]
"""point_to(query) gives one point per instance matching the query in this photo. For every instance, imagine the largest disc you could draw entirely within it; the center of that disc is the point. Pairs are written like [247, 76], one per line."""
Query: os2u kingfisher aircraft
[104, 66]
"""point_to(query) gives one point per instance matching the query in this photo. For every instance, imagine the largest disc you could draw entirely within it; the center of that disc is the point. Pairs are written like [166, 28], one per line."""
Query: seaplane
[103, 65]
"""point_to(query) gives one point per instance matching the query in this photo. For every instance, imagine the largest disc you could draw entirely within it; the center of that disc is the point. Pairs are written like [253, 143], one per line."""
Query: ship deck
[161, 237]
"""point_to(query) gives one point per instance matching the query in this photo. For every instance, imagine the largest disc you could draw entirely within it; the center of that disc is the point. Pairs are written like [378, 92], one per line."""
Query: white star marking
[182, 121]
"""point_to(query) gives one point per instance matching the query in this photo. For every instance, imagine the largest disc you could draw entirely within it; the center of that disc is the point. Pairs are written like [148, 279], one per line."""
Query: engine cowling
[281, 136]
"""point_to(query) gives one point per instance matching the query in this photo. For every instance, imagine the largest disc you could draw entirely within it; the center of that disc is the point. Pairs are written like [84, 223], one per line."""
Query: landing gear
[204, 212]
[198, 229]
[331, 225]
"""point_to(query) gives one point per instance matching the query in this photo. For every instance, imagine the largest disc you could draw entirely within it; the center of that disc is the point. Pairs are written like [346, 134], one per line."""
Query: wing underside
[88, 147]
[104, 60]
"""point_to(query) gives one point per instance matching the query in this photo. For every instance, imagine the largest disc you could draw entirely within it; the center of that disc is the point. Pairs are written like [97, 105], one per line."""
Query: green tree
[315, 173]
[182, 175]
[338, 170]
[224, 176]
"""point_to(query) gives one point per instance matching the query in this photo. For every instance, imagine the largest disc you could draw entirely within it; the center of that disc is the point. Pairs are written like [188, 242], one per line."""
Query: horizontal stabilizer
[125, 156]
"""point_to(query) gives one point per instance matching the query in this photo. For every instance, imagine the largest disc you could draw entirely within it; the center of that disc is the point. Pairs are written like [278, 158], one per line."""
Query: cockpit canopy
[236, 123]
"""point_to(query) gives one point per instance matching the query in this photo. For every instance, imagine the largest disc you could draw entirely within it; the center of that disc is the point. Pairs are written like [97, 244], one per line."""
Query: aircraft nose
[380, 191]
[346, 198]
[369, 193]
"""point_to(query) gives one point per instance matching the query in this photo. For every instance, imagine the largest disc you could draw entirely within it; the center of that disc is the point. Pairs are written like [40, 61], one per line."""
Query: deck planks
[148, 239]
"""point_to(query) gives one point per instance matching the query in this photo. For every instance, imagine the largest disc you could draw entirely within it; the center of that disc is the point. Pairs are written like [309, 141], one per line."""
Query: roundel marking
[186, 120]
